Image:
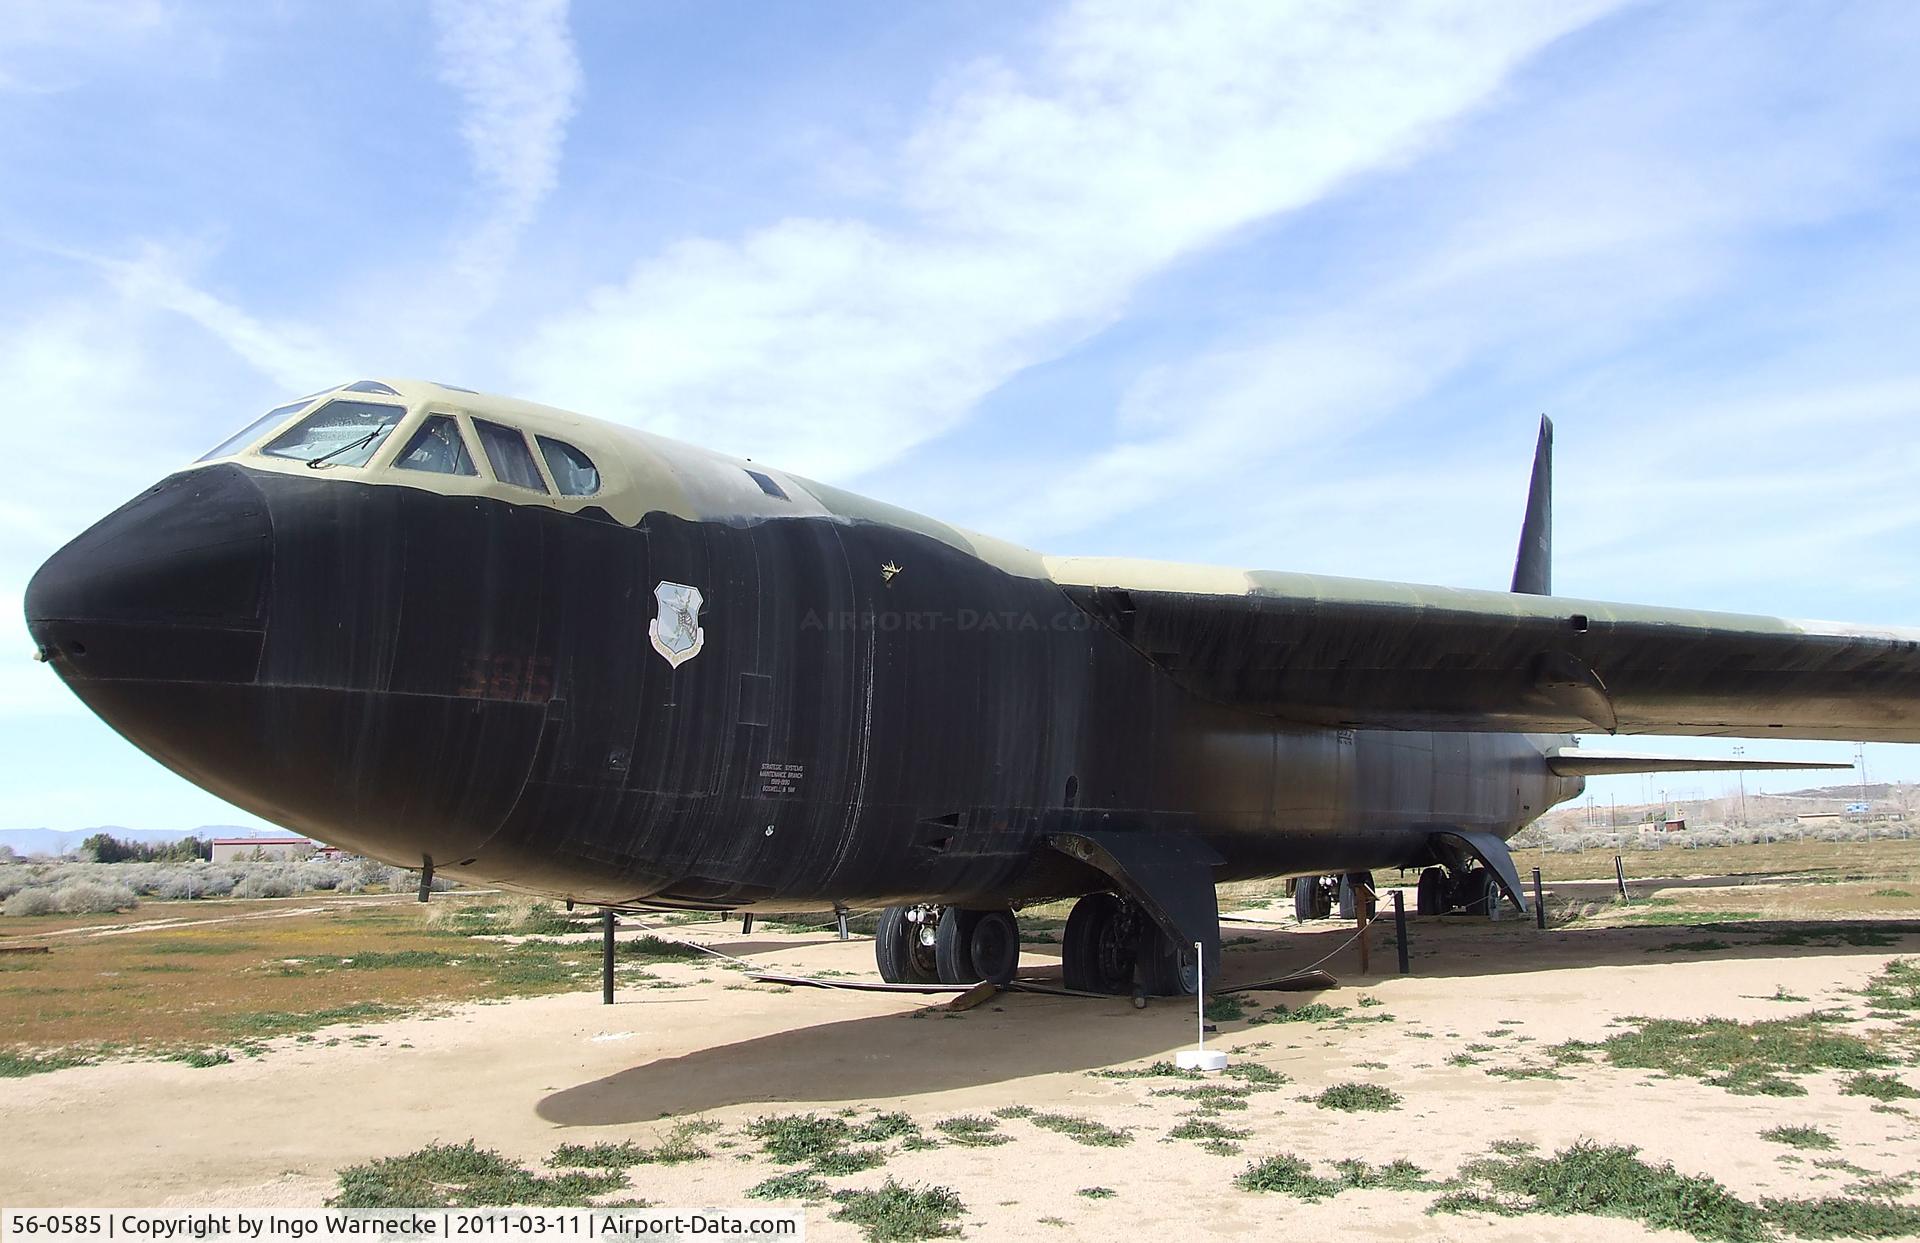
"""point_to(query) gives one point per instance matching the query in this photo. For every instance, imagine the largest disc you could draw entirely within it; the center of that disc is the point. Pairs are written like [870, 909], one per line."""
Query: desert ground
[292, 1051]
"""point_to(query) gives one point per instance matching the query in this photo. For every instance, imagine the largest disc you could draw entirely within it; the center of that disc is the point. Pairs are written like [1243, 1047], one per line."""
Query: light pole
[1738, 752]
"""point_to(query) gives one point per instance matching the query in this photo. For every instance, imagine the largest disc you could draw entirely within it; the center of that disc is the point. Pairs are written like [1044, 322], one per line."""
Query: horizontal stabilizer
[1582, 762]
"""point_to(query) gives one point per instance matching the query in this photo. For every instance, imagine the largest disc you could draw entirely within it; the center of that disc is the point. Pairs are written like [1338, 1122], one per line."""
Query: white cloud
[295, 356]
[1035, 197]
[513, 65]
[42, 41]
[75, 375]
[1561, 237]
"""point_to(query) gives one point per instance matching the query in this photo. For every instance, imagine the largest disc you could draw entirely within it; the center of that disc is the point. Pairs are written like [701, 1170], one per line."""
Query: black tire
[1309, 898]
[1478, 893]
[953, 946]
[1167, 968]
[995, 946]
[1493, 898]
[903, 958]
[1097, 950]
[1431, 896]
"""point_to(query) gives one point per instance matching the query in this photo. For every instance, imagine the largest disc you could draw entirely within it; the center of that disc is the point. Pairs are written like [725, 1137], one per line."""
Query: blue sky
[1277, 285]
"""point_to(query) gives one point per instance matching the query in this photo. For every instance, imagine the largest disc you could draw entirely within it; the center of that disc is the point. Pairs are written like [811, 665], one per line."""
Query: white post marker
[1200, 1057]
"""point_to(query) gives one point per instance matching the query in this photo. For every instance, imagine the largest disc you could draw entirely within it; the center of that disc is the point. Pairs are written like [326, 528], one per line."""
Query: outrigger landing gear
[1477, 876]
[1141, 940]
[927, 944]
[1111, 946]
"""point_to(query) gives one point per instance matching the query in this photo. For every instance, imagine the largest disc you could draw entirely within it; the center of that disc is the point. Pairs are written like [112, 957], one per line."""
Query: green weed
[1288, 1175]
[462, 1175]
[1357, 1098]
[793, 1185]
[1879, 1087]
[795, 1138]
[20, 1065]
[1084, 1130]
[1799, 1137]
[897, 1213]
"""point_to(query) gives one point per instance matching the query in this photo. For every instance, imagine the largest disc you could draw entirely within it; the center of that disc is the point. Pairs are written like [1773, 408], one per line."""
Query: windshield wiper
[369, 438]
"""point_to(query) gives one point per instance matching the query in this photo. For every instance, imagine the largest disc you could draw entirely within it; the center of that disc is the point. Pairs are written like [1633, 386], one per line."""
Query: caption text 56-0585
[229, 1225]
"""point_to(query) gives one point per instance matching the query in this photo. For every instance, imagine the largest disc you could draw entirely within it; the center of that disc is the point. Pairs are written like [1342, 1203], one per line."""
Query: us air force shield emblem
[675, 630]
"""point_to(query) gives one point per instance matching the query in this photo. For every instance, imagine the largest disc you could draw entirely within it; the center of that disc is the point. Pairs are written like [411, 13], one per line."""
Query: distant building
[248, 849]
[1818, 819]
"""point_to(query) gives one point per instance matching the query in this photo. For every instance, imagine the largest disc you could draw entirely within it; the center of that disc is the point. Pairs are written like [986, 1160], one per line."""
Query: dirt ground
[525, 1075]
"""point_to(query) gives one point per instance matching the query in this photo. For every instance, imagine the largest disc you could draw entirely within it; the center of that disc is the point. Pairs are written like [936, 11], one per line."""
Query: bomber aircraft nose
[171, 586]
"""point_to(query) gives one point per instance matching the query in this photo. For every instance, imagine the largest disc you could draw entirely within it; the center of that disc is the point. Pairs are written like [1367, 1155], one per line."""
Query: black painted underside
[411, 674]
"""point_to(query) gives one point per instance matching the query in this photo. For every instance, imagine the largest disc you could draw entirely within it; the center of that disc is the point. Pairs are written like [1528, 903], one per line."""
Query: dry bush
[265, 883]
[87, 897]
[30, 902]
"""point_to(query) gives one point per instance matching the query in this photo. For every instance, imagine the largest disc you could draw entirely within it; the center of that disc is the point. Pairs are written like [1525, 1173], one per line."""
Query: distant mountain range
[56, 842]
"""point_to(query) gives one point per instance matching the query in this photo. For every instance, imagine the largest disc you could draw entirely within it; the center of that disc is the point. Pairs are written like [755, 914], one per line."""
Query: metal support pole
[840, 921]
[1539, 903]
[1620, 876]
[426, 876]
[1400, 929]
[1200, 997]
[1362, 922]
[746, 923]
[606, 955]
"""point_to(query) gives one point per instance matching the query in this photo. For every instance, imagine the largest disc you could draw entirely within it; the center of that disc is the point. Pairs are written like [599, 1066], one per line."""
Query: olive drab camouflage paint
[576, 659]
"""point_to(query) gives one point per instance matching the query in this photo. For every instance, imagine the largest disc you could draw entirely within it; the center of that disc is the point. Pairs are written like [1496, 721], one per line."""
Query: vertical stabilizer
[1533, 568]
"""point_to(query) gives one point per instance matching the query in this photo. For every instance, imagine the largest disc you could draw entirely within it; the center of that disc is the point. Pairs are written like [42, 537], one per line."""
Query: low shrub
[31, 902]
[92, 898]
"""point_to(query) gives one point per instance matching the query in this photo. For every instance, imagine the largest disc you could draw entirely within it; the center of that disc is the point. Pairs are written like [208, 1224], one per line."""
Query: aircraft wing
[1352, 653]
[1591, 762]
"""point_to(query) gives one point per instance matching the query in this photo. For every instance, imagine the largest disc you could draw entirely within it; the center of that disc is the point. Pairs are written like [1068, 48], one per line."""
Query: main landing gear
[1317, 897]
[946, 945]
[1465, 891]
[1110, 946]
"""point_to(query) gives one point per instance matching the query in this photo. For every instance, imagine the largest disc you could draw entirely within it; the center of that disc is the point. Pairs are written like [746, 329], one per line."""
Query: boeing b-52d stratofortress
[535, 650]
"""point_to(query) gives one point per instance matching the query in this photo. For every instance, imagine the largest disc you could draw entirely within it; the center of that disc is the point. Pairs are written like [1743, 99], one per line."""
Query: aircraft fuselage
[857, 709]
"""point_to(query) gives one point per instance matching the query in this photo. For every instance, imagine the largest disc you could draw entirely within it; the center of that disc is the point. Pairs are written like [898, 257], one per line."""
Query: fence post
[1400, 929]
[606, 956]
[1539, 902]
[1620, 876]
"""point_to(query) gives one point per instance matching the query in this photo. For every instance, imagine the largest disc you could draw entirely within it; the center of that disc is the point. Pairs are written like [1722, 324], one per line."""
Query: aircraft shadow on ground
[875, 1059]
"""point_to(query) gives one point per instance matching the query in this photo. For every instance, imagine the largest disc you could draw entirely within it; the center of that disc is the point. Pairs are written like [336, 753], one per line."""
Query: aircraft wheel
[953, 946]
[904, 955]
[1493, 899]
[1097, 950]
[1476, 892]
[1168, 969]
[995, 946]
[1310, 898]
[1431, 896]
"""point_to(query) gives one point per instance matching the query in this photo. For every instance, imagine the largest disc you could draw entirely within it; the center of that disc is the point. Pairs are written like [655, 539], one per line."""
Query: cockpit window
[509, 456]
[573, 471]
[372, 386]
[340, 433]
[254, 430]
[437, 447]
